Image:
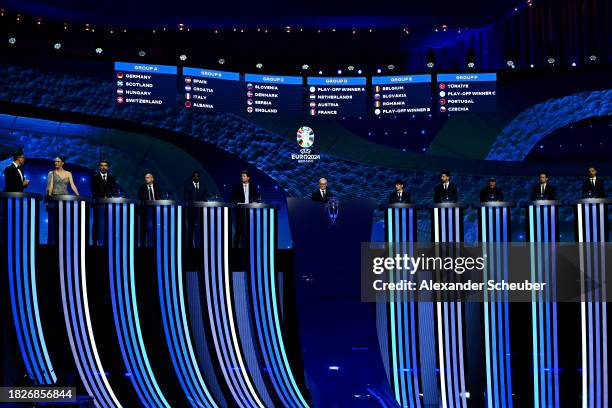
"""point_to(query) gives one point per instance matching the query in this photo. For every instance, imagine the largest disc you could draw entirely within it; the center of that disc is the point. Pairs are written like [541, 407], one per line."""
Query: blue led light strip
[172, 303]
[263, 278]
[212, 248]
[75, 303]
[120, 245]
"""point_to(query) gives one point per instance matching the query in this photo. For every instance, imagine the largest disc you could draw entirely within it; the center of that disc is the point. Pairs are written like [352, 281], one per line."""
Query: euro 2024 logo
[305, 139]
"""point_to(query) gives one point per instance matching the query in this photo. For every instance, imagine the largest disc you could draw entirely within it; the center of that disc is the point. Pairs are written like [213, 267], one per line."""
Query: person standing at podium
[147, 192]
[322, 195]
[194, 191]
[593, 186]
[14, 179]
[102, 182]
[491, 192]
[543, 190]
[399, 195]
[59, 179]
[445, 192]
[102, 186]
[244, 193]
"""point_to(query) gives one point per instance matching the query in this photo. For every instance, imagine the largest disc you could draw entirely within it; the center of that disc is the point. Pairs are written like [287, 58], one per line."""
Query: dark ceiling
[268, 13]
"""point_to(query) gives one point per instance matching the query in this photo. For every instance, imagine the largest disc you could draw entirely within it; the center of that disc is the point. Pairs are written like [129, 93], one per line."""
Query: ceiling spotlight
[141, 53]
[305, 67]
[350, 68]
[391, 67]
[510, 63]
[339, 72]
[531, 65]
[359, 71]
[99, 50]
[593, 57]
[551, 60]
[221, 61]
[57, 46]
[259, 65]
[320, 72]
[471, 65]
[182, 57]
[12, 40]
[573, 64]
[430, 64]
[379, 70]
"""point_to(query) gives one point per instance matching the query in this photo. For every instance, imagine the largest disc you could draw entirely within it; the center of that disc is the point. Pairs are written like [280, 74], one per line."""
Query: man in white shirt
[593, 186]
[543, 191]
[244, 193]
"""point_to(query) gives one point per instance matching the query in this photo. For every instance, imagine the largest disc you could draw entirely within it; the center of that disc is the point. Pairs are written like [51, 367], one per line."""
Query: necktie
[323, 194]
[542, 189]
[593, 182]
[151, 195]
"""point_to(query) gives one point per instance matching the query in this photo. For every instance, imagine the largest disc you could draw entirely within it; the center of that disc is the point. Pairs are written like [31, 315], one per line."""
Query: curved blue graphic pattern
[168, 240]
[532, 125]
[218, 285]
[73, 279]
[21, 215]
[265, 299]
[120, 245]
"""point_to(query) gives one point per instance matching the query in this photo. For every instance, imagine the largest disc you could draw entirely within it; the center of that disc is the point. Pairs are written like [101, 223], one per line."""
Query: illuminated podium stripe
[591, 227]
[543, 228]
[399, 317]
[120, 246]
[494, 233]
[448, 227]
[168, 241]
[265, 300]
[73, 278]
[20, 218]
[222, 319]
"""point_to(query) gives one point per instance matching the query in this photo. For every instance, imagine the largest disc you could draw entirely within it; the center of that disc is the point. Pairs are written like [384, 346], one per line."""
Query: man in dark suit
[194, 191]
[322, 195]
[399, 195]
[491, 192]
[543, 191]
[147, 192]
[102, 186]
[14, 179]
[445, 192]
[593, 186]
[244, 193]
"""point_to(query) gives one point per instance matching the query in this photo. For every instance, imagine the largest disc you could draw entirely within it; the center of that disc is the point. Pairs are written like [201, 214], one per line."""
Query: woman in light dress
[59, 179]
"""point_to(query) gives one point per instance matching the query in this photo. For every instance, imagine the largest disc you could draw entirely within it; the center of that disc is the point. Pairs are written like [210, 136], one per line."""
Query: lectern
[18, 238]
[591, 231]
[494, 234]
[397, 318]
[70, 214]
[543, 233]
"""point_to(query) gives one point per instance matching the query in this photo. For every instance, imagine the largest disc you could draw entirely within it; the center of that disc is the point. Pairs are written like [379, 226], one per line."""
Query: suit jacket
[316, 196]
[12, 180]
[143, 192]
[238, 194]
[549, 193]
[590, 191]
[393, 198]
[491, 194]
[191, 193]
[101, 188]
[449, 196]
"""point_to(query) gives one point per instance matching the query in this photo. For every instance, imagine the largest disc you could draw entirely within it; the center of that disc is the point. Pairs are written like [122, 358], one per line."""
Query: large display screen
[145, 84]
